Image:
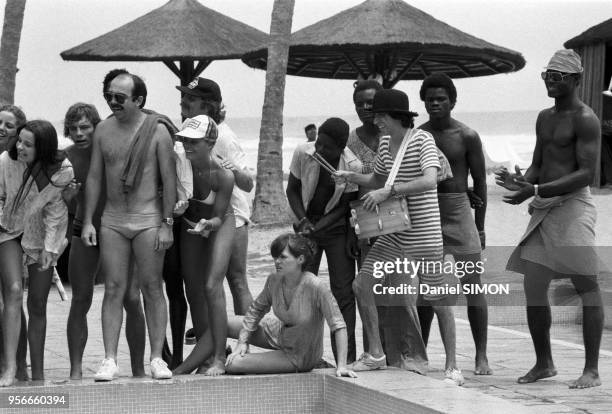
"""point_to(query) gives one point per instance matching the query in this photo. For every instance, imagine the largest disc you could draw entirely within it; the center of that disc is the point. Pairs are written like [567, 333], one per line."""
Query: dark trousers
[341, 275]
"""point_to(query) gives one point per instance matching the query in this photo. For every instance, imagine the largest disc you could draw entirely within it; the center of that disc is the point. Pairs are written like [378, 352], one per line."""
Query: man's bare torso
[115, 140]
[556, 131]
[453, 143]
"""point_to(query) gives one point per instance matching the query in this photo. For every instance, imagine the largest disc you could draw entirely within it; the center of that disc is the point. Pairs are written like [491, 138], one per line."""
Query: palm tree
[270, 204]
[9, 48]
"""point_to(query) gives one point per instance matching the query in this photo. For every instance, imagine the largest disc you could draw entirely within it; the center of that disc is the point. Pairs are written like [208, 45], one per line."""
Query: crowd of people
[143, 203]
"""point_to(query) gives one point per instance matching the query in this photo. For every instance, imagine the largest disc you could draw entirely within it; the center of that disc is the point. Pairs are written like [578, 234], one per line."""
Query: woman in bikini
[33, 220]
[206, 234]
[300, 301]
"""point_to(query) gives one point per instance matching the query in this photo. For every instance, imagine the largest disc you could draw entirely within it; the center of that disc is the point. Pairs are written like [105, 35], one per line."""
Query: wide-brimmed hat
[203, 88]
[199, 127]
[566, 61]
[392, 100]
[608, 92]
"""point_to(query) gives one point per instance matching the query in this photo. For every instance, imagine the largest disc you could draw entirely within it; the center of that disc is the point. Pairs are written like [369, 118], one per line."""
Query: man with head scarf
[560, 237]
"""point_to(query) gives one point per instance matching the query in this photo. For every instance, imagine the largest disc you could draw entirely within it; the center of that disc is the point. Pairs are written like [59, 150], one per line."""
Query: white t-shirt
[228, 148]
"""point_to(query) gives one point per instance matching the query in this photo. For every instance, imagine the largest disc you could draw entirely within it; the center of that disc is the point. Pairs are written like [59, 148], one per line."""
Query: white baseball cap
[199, 127]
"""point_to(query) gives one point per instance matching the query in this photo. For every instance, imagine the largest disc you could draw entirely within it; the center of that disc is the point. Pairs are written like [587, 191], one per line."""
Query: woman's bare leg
[273, 362]
[38, 293]
[12, 283]
[221, 243]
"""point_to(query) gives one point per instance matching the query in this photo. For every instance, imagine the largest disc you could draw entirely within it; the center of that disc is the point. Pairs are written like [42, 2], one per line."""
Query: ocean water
[508, 137]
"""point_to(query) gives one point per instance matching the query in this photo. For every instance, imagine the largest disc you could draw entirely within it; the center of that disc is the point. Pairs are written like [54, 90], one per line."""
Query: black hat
[204, 88]
[392, 100]
[337, 129]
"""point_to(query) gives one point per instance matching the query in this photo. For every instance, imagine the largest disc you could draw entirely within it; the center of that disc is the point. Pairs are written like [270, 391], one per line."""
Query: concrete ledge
[388, 391]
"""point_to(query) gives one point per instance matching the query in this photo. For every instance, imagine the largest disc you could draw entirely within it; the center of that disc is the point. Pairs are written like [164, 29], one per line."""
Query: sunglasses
[119, 98]
[555, 76]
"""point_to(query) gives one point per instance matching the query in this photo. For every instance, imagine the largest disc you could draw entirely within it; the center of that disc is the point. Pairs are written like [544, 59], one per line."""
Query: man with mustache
[79, 125]
[134, 153]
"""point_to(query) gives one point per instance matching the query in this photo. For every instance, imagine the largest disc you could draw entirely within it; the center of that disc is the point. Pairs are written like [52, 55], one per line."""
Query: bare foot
[537, 373]
[588, 379]
[482, 367]
[8, 377]
[216, 368]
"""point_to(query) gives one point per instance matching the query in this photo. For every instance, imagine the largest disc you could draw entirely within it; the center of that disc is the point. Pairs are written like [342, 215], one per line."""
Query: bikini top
[210, 199]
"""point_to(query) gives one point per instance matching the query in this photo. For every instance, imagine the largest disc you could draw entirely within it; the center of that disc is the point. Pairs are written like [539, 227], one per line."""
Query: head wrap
[566, 61]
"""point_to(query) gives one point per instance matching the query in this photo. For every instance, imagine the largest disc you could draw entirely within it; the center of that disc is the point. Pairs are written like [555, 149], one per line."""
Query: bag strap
[399, 157]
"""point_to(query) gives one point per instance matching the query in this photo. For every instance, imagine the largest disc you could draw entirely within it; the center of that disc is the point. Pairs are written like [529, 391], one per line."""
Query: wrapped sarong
[459, 232]
[560, 235]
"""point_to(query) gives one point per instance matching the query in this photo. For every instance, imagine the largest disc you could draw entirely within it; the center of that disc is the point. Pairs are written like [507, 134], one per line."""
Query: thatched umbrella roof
[393, 39]
[598, 33]
[180, 30]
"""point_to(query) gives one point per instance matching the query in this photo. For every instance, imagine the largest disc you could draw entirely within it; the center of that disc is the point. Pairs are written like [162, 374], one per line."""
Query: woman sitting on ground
[207, 231]
[300, 302]
[33, 220]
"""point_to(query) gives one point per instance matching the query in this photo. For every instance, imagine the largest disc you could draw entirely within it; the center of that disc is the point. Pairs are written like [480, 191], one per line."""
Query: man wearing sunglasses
[560, 238]
[132, 154]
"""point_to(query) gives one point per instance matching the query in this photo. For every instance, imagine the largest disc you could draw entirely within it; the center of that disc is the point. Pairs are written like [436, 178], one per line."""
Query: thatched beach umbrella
[181, 30]
[390, 38]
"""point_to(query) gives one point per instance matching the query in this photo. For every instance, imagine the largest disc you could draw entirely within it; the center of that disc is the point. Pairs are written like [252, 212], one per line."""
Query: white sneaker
[454, 376]
[107, 371]
[367, 362]
[159, 369]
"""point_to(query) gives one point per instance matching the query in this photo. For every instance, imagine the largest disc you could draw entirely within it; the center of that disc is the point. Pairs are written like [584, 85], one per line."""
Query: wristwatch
[169, 221]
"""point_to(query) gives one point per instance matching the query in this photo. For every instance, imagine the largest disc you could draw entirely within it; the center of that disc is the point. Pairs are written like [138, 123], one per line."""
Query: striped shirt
[424, 239]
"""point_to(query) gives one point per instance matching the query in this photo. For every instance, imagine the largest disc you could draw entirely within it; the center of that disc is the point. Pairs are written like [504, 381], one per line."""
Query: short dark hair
[298, 246]
[139, 89]
[309, 127]
[439, 80]
[407, 120]
[112, 75]
[17, 112]
[78, 111]
[366, 84]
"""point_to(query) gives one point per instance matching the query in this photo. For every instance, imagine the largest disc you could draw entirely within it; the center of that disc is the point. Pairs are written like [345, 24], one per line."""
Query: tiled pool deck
[510, 354]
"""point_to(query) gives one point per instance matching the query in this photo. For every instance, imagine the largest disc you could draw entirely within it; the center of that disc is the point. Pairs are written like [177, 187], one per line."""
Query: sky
[47, 85]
